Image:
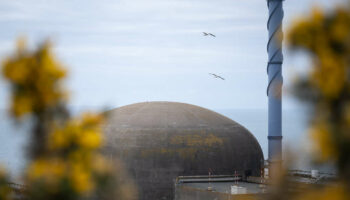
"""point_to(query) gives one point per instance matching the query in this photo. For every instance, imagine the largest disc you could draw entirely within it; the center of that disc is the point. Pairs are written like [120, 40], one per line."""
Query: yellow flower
[90, 140]
[323, 143]
[17, 71]
[36, 76]
[81, 179]
[84, 133]
[22, 104]
[340, 27]
[70, 167]
[329, 76]
[48, 171]
[58, 140]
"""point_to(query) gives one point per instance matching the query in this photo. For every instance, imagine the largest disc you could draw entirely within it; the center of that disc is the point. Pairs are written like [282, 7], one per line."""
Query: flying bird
[217, 76]
[208, 34]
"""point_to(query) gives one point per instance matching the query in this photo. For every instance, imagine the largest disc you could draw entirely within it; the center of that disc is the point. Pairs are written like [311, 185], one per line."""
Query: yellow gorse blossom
[49, 172]
[35, 79]
[74, 158]
[81, 178]
[65, 159]
[83, 133]
[324, 147]
[330, 75]
[52, 173]
[327, 38]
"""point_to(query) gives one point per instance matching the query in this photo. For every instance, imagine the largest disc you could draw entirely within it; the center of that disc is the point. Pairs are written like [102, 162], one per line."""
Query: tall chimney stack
[274, 88]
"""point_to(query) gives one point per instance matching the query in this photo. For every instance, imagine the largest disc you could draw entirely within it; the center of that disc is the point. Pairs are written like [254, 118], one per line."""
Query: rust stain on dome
[196, 140]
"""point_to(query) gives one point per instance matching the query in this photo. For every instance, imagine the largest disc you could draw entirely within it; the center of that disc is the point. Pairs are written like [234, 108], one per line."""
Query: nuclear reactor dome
[159, 141]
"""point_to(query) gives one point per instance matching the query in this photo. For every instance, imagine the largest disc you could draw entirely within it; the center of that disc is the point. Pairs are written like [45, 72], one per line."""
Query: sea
[296, 142]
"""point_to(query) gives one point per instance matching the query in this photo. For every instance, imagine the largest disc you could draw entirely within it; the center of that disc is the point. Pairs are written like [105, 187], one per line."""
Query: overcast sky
[127, 51]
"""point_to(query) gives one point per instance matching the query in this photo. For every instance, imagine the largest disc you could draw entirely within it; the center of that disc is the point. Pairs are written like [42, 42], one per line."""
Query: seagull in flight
[216, 76]
[208, 34]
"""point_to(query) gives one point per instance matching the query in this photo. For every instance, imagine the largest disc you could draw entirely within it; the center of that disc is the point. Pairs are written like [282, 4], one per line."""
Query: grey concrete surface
[159, 141]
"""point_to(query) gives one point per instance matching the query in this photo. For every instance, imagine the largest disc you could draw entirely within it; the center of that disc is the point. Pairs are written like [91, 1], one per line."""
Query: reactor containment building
[160, 141]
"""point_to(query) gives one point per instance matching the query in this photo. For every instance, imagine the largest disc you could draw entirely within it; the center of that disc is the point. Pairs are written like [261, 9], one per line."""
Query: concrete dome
[159, 141]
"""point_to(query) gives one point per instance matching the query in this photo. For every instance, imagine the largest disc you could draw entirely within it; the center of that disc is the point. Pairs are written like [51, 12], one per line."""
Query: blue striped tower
[274, 88]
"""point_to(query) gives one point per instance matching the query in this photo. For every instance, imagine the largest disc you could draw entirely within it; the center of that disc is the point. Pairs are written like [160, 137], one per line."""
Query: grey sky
[127, 51]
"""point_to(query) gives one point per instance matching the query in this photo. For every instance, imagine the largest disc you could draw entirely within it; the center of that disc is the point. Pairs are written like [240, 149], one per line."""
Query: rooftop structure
[239, 188]
[217, 187]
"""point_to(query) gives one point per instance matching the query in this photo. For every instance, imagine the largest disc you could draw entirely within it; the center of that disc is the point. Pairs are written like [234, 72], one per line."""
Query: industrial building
[185, 152]
[160, 141]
